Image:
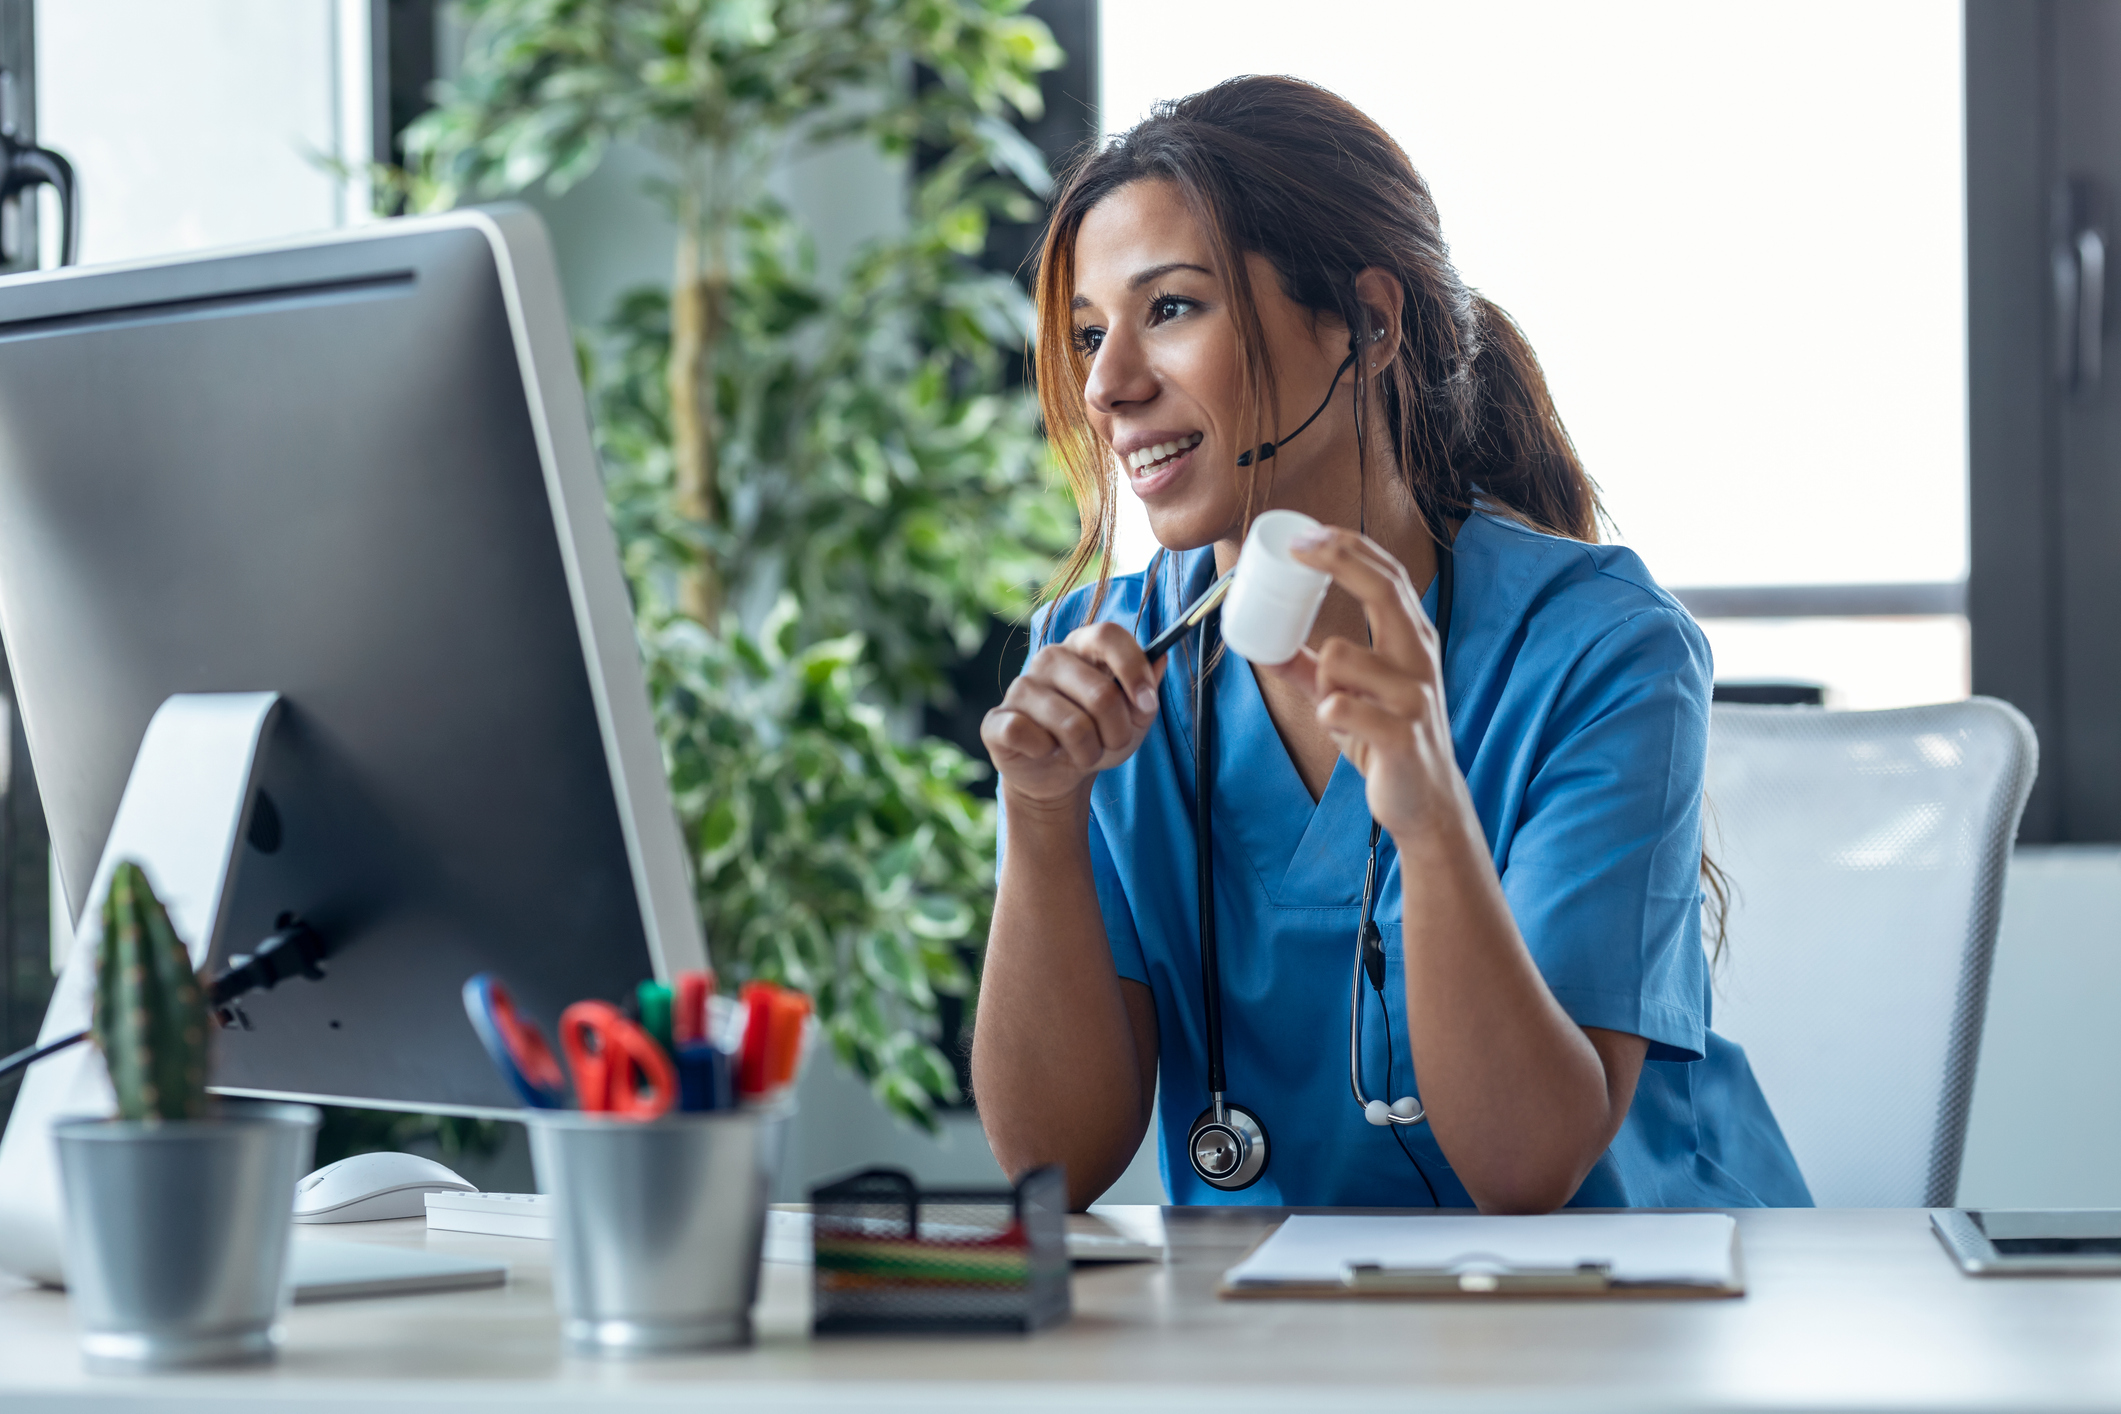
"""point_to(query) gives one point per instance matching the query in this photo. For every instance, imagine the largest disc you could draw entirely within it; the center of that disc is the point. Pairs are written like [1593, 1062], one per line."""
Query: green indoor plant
[178, 1210]
[822, 488]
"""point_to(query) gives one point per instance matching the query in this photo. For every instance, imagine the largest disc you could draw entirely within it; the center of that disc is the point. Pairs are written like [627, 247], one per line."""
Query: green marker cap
[654, 999]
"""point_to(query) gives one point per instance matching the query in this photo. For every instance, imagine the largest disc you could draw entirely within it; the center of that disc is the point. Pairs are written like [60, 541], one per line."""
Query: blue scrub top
[1579, 695]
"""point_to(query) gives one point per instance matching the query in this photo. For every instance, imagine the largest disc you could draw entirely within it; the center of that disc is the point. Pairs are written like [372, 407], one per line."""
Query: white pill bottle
[1274, 600]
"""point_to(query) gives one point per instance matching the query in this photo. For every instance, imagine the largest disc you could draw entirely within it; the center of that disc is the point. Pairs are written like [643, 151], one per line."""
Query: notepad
[1559, 1254]
[337, 1271]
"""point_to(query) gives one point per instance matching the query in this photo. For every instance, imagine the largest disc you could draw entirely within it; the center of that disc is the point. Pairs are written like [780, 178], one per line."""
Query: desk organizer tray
[889, 1257]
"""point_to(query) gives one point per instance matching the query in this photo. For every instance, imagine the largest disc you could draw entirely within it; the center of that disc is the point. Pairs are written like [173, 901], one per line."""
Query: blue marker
[704, 1077]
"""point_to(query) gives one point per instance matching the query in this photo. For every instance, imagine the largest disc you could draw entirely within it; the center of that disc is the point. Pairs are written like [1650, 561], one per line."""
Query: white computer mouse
[370, 1187]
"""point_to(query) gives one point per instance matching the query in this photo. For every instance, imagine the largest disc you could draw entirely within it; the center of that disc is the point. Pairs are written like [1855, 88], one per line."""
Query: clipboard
[1604, 1256]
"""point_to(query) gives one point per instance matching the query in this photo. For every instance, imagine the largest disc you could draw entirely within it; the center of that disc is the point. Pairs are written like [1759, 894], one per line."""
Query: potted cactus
[178, 1209]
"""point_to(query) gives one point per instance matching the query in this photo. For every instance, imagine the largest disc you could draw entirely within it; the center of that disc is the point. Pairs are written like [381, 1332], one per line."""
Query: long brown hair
[1303, 177]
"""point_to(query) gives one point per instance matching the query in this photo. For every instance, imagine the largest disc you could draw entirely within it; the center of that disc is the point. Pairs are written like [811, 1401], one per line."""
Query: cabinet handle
[2091, 306]
[24, 166]
[2077, 265]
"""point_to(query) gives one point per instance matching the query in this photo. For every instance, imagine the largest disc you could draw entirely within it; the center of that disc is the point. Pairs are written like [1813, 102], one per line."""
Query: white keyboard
[530, 1215]
[495, 1214]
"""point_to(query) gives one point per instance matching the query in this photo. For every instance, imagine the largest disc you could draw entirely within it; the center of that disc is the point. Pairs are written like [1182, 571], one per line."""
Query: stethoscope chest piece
[1229, 1152]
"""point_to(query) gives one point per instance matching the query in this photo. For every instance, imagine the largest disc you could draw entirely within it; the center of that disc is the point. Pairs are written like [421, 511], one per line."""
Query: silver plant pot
[657, 1228]
[177, 1233]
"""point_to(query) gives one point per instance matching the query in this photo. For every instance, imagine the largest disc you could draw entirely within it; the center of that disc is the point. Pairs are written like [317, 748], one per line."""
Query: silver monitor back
[356, 470]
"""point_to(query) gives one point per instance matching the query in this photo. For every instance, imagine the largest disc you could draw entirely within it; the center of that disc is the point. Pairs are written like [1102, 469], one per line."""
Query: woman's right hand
[1079, 707]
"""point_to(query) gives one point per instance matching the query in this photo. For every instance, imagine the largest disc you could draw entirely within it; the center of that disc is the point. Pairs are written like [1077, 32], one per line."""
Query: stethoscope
[1228, 1145]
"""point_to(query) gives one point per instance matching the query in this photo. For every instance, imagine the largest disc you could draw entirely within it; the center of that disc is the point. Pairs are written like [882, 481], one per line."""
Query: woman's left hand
[1383, 705]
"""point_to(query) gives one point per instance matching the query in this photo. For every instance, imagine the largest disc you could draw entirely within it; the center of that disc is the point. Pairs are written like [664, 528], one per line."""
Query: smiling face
[1166, 373]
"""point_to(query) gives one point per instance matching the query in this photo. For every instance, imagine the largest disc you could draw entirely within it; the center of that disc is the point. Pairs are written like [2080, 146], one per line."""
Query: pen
[1196, 611]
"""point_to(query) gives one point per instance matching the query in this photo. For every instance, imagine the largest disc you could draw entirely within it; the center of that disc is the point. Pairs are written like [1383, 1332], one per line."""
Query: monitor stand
[182, 818]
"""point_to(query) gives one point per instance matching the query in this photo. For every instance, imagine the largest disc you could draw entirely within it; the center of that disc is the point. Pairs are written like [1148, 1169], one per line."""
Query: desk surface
[1856, 1310]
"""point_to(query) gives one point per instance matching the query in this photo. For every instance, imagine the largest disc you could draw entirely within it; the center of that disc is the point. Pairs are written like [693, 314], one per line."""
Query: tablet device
[1988, 1242]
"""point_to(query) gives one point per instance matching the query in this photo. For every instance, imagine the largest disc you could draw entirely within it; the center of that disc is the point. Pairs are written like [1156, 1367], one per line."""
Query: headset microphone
[1267, 449]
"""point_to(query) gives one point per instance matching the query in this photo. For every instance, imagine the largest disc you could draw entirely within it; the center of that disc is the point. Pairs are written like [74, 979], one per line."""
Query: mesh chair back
[1867, 853]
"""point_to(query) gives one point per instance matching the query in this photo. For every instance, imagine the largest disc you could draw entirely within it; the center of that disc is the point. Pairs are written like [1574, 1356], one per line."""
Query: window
[1735, 236]
[209, 124]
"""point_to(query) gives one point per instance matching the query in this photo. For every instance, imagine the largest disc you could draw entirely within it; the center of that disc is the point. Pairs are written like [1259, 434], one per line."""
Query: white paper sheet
[1678, 1249]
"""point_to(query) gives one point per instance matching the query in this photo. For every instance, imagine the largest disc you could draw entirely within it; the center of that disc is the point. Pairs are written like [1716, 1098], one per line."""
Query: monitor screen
[355, 471]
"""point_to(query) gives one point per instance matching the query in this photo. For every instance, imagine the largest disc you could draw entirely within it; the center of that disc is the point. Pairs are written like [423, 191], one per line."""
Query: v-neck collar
[1305, 854]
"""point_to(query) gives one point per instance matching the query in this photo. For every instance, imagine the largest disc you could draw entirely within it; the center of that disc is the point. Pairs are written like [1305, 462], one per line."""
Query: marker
[751, 1072]
[654, 999]
[703, 1078]
[791, 1010]
[691, 1021]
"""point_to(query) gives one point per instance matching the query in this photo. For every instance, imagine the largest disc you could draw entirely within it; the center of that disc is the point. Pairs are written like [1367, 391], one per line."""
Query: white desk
[1847, 1310]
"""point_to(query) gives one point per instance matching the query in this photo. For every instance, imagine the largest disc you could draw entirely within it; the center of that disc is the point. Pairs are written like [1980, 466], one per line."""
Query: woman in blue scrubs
[1526, 784]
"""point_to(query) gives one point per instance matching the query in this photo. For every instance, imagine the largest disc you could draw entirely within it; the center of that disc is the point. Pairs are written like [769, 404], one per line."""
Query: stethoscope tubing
[1201, 616]
[1204, 860]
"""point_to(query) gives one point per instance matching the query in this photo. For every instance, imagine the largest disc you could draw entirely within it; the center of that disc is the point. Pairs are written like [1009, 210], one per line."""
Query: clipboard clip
[1478, 1276]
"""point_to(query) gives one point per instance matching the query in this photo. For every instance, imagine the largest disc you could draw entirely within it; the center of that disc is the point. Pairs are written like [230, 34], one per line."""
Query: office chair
[1867, 853]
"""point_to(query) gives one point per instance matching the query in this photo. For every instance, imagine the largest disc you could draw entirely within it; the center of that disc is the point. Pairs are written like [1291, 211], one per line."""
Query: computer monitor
[356, 470]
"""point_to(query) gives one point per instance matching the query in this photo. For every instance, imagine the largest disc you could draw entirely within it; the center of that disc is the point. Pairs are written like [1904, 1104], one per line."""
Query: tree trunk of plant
[695, 326]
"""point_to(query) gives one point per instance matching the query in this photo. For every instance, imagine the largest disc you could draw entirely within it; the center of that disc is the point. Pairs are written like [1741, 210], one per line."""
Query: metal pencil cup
[177, 1233]
[892, 1257]
[657, 1227]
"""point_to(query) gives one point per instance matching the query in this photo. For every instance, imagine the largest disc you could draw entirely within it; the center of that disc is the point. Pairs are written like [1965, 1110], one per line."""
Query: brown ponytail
[1523, 454]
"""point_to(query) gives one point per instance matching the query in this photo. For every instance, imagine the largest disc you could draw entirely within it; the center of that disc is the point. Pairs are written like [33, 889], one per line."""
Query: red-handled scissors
[611, 1058]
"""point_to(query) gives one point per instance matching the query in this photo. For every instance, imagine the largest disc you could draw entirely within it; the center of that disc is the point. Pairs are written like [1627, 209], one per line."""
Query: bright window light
[1862, 663]
[1733, 232]
[202, 124]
